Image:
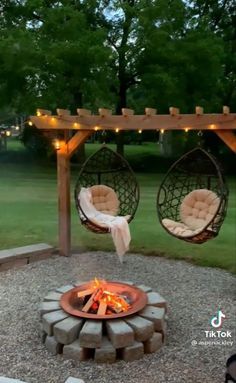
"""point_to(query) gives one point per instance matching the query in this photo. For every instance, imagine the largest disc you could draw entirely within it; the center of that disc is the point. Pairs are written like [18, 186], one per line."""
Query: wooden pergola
[84, 123]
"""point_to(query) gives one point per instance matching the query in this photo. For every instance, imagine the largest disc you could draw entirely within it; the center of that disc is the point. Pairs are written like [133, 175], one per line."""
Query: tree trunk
[121, 103]
[78, 103]
[123, 76]
[120, 143]
[78, 98]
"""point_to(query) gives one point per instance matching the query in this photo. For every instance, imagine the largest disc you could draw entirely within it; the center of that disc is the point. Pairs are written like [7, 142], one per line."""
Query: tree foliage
[117, 53]
[51, 54]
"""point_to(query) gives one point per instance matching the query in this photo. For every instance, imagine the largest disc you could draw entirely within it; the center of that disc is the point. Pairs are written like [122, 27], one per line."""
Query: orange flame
[115, 301]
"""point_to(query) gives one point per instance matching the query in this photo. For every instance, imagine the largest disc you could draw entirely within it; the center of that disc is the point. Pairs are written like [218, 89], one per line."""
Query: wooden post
[63, 179]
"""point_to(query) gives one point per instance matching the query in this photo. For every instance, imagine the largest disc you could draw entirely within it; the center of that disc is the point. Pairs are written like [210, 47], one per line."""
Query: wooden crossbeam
[135, 122]
[228, 137]
[65, 122]
[78, 139]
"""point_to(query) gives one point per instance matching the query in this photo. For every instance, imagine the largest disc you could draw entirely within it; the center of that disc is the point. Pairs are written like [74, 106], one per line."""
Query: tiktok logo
[216, 321]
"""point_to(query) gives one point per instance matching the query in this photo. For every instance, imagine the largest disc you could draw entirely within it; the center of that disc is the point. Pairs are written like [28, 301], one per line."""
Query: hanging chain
[104, 136]
[200, 135]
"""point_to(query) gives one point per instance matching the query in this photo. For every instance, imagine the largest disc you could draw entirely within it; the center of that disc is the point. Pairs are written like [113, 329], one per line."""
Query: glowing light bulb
[30, 123]
[38, 113]
[56, 144]
[117, 130]
[162, 131]
[8, 133]
[17, 127]
[186, 130]
[140, 131]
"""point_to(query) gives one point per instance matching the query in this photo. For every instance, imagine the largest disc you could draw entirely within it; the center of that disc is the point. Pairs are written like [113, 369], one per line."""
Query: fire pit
[104, 320]
[103, 300]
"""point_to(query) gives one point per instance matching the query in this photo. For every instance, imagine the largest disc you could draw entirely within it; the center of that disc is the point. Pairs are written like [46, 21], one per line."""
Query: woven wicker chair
[194, 183]
[108, 168]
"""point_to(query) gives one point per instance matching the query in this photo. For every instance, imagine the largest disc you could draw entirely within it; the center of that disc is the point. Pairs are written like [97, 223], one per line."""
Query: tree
[182, 64]
[219, 16]
[60, 54]
[117, 53]
[120, 20]
[51, 56]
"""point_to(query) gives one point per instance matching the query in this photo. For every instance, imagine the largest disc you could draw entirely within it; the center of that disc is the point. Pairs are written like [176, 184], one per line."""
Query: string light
[162, 131]
[56, 143]
[140, 131]
[186, 130]
[96, 128]
[30, 123]
[117, 130]
[8, 133]
[17, 127]
[38, 113]
[75, 125]
[212, 126]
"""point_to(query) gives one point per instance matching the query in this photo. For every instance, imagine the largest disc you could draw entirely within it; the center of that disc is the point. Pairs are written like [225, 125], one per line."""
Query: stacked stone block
[105, 341]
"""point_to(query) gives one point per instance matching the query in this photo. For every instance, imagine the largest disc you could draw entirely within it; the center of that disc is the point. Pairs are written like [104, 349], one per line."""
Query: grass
[28, 195]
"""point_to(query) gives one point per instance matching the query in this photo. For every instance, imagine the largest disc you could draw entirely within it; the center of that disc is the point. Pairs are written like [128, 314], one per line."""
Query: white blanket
[118, 225]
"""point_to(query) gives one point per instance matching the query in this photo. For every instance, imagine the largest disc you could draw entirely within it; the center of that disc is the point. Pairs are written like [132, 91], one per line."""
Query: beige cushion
[179, 229]
[196, 211]
[105, 199]
[198, 208]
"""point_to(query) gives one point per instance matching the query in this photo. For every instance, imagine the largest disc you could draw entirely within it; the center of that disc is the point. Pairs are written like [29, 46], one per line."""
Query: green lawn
[28, 195]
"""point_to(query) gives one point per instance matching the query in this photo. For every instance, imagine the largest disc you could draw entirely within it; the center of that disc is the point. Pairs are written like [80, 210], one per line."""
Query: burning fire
[97, 299]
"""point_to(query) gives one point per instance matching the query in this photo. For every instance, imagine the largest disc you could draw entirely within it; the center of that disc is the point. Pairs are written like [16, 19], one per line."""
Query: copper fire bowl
[137, 299]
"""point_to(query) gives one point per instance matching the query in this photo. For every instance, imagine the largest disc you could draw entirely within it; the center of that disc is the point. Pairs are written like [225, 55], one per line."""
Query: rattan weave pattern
[196, 169]
[107, 167]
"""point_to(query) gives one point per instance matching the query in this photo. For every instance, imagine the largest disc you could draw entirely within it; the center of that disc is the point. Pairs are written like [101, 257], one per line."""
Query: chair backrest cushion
[198, 208]
[105, 199]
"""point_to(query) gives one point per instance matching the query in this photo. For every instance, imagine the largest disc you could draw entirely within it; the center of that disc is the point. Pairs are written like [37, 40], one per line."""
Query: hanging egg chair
[192, 198]
[113, 188]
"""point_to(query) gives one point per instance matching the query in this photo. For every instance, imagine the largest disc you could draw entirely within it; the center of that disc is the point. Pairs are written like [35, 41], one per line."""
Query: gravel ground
[194, 294]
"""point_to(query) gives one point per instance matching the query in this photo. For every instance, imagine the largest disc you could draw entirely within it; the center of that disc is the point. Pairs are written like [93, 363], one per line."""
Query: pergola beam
[134, 122]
